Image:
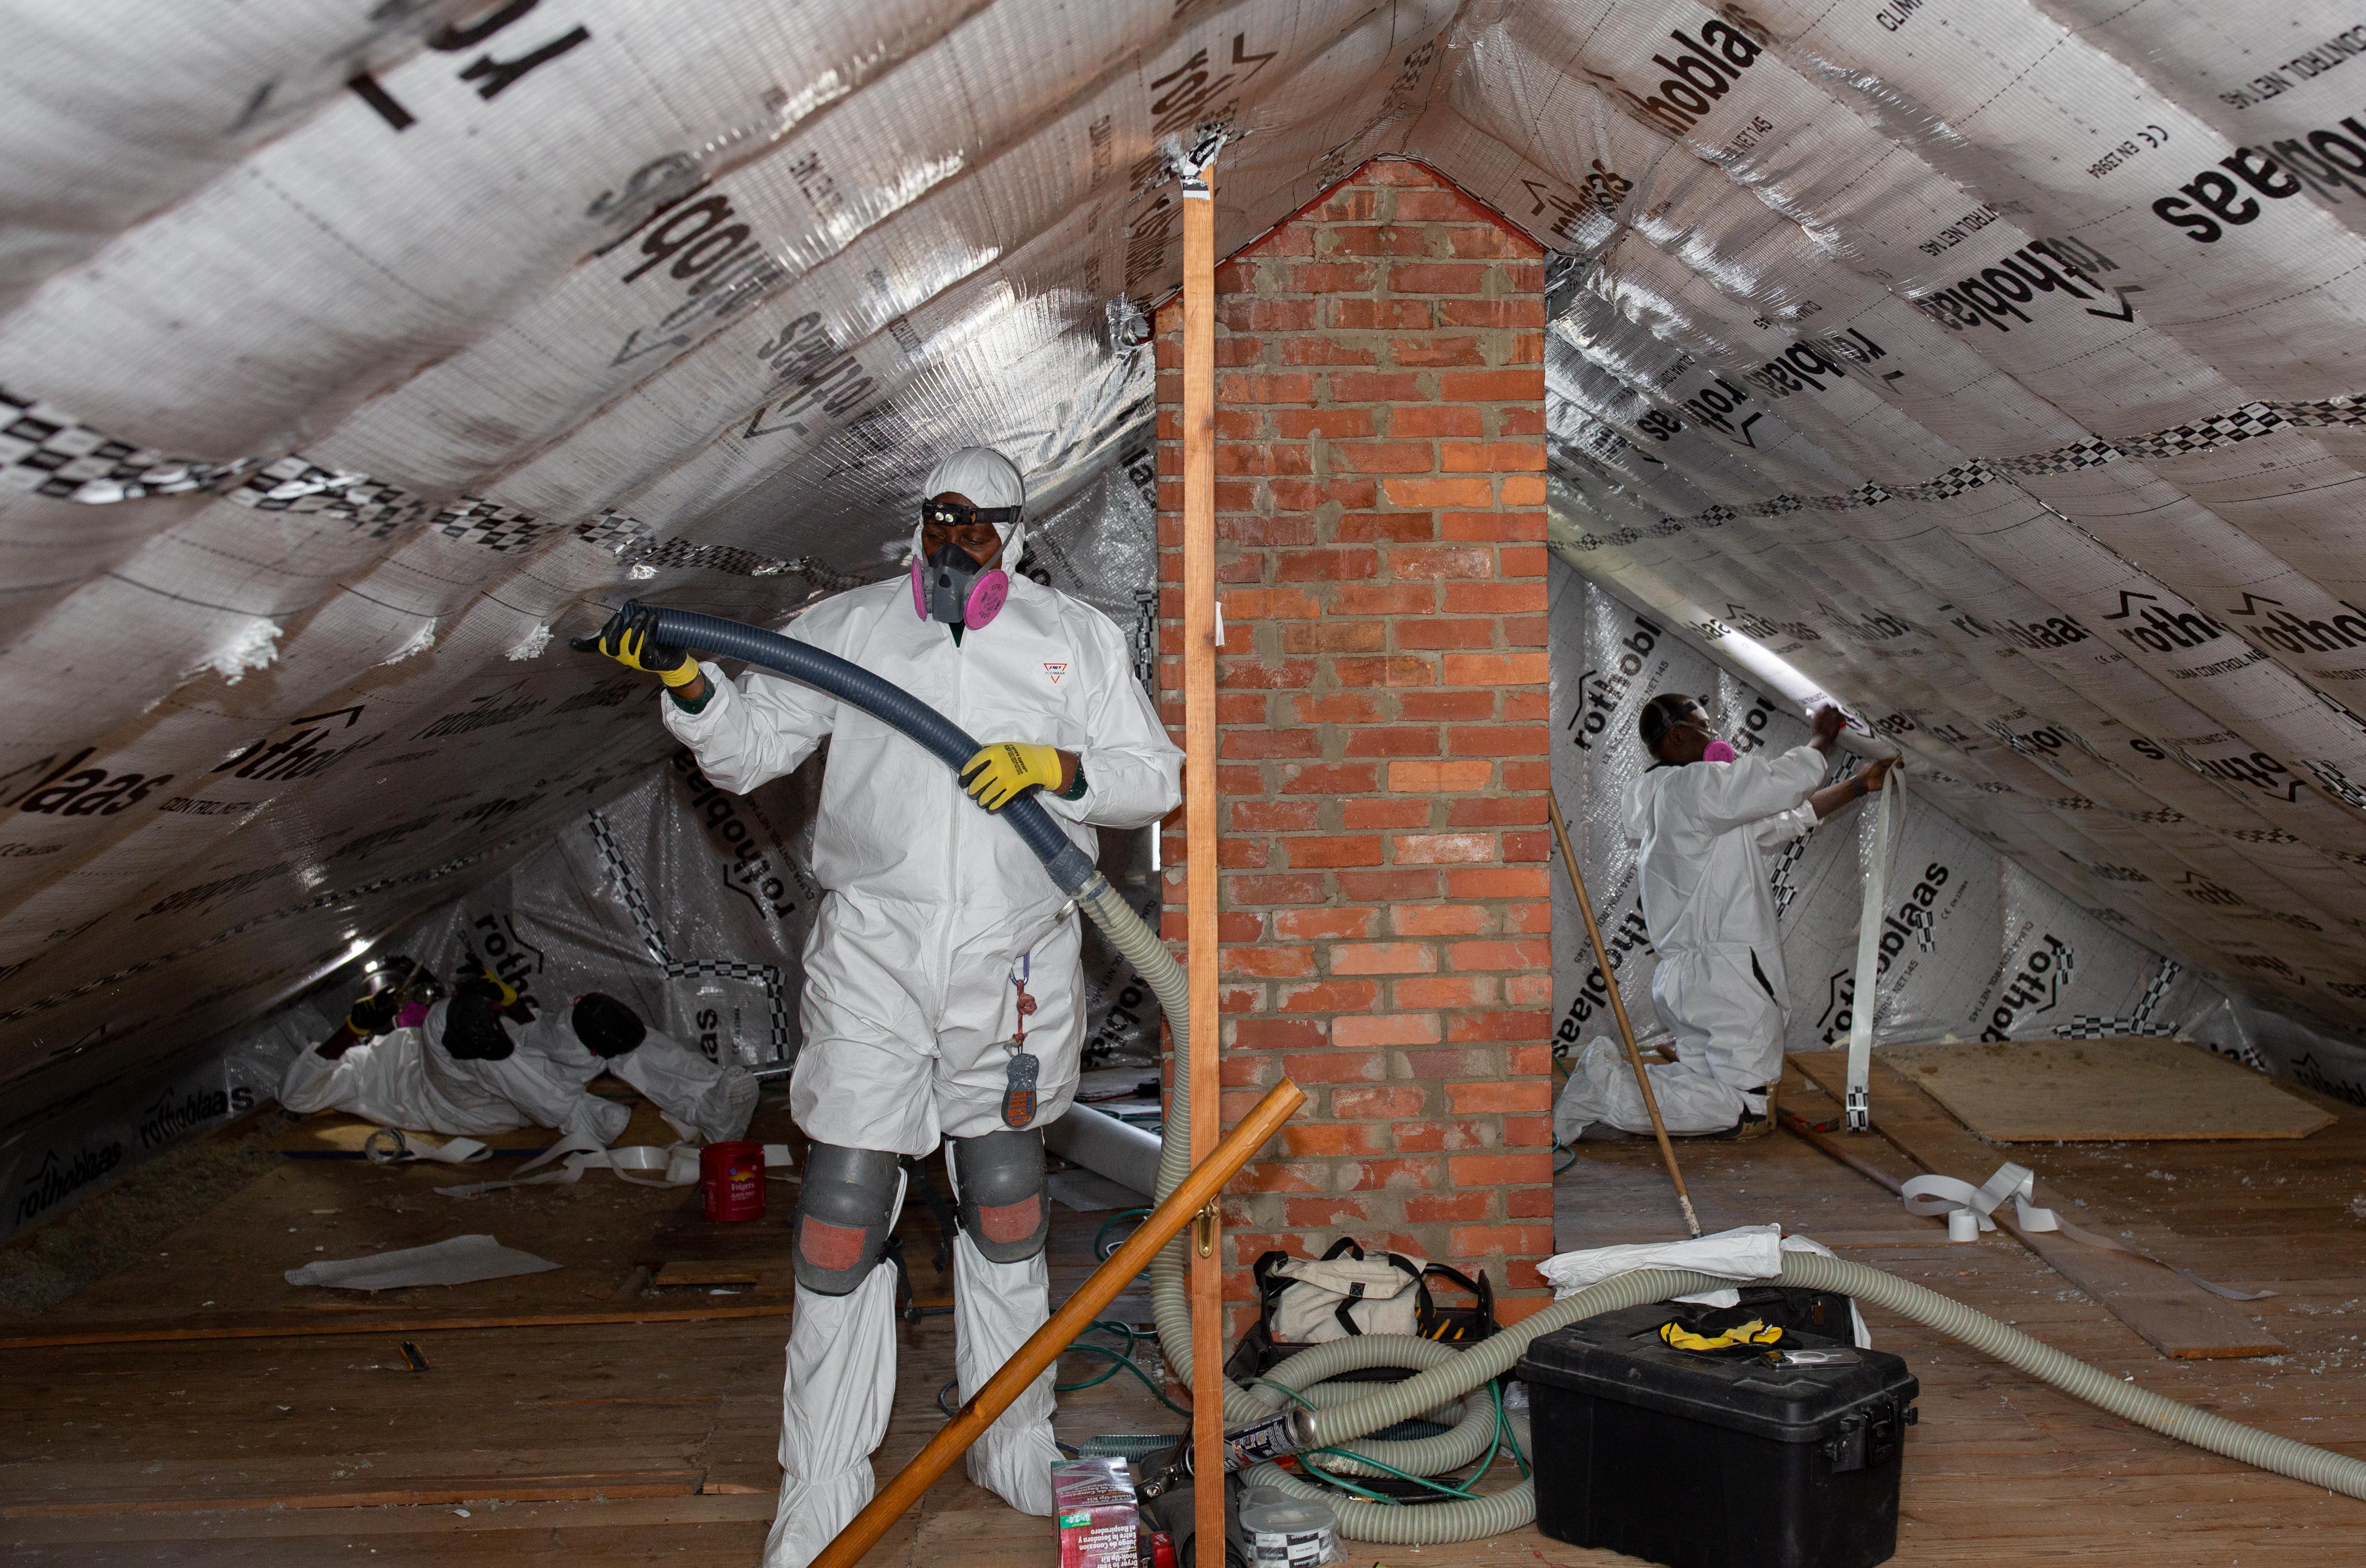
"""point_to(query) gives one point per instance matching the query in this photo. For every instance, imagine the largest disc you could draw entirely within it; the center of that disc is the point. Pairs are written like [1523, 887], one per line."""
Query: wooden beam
[1199, 633]
[1043, 1346]
[151, 1331]
[2176, 1317]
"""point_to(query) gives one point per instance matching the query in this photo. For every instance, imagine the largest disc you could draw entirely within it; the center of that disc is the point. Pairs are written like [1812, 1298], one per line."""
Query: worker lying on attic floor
[1704, 817]
[600, 1034]
[454, 1069]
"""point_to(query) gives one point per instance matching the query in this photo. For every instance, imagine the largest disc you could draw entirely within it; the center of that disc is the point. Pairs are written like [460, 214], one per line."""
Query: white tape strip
[1889, 822]
[392, 1145]
[1968, 1209]
[644, 1165]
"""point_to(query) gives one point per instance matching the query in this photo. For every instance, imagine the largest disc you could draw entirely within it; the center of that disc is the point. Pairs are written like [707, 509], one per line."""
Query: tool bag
[1347, 1292]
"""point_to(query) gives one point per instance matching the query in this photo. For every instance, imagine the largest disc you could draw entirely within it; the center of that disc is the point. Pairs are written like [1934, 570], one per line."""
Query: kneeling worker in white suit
[599, 1035]
[936, 925]
[457, 1071]
[1702, 817]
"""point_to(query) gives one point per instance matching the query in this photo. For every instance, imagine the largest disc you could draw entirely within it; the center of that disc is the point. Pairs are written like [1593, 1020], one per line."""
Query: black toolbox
[1716, 1460]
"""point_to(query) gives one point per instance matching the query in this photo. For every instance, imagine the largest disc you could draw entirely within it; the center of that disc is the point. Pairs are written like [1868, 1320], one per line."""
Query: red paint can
[731, 1182]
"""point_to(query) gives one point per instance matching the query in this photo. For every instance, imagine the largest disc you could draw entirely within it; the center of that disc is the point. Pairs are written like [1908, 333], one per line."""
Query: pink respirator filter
[1717, 752]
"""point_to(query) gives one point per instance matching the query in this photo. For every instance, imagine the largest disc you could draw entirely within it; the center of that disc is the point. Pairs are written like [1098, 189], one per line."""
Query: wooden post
[1199, 632]
[1618, 1008]
[1043, 1346]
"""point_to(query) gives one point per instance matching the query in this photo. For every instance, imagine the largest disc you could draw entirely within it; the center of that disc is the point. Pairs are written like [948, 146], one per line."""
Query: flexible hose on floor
[1446, 1376]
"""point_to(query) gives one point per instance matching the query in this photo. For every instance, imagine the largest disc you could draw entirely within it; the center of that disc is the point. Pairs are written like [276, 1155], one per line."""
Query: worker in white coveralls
[456, 1069]
[702, 1099]
[1704, 817]
[940, 930]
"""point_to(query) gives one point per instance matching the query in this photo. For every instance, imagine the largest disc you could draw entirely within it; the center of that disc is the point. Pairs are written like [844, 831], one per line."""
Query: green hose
[1448, 1378]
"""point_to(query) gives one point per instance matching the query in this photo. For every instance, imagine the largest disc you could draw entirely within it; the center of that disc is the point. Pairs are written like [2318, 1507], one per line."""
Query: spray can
[1267, 1438]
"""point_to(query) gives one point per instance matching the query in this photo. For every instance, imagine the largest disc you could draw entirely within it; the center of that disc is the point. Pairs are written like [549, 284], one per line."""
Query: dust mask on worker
[969, 491]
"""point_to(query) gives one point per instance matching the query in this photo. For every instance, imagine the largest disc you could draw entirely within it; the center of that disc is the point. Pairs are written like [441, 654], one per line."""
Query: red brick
[1444, 991]
[1436, 205]
[1439, 849]
[1366, 1104]
[1525, 489]
[1436, 278]
[1508, 882]
[1268, 675]
[1311, 924]
[1310, 495]
[1323, 1214]
[1496, 740]
[1302, 889]
[1439, 492]
[1447, 706]
[1348, 386]
[1527, 1131]
[1447, 560]
[1392, 740]
[1335, 634]
[1382, 315]
[1239, 312]
[1490, 1170]
[1522, 312]
[1335, 1066]
[1388, 887]
[1444, 920]
[1373, 1173]
[1522, 847]
[1329, 996]
[1367, 1030]
[1348, 204]
[1441, 633]
[1326, 351]
[1346, 708]
[1490, 457]
[1434, 778]
[1432, 1208]
[1408, 352]
[1495, 669]
[1525, 1202]
[1337, 424]
[1515, 1094]
[1536, 776]
[1454, 1064]
[1490, 528]
[1385, 599]
[1332, 1138]
[1513, 1241]
[1385, 456]
[1495, 598]
[1334, 850]
[1274, 815]
[1334, 277]
[1278, 1033]
[1499, 1025]
[1435, 419]
[1269, 743]
[1268, 960]
[1388, 672]
[1235, 351]
[1284, 1175]
[1440, 1136]
[1241, 854]
[1374, 240]
[1365, 816]
[1333, 565]
[1240, 388]
[1385, 527]
[1342, 778]
[1384, 958]
[1482, 386]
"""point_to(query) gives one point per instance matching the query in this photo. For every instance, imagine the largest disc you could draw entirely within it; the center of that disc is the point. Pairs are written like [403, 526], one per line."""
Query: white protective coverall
[908, 1002]
[701, 1099]
[407, 1079]
[1720, 985]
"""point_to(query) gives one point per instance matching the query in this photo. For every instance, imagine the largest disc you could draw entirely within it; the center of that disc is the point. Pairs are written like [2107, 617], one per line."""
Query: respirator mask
[950, 585]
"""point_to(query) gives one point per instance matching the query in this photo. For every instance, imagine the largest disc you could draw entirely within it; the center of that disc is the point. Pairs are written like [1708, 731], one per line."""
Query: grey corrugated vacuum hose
[1447, 1377]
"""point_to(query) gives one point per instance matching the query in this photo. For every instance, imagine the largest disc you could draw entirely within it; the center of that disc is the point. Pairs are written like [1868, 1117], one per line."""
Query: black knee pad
[845, 1208]
[999, 1180]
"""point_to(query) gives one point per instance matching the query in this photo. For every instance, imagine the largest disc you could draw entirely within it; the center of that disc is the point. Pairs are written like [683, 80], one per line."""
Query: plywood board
[2176, 1317]
[2026, 1091]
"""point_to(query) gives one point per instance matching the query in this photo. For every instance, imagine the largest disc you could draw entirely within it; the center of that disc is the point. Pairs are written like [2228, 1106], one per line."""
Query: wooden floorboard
[176, 1451]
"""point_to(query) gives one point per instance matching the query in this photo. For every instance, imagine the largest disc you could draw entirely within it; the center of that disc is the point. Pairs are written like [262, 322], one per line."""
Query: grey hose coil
[1448, 1375]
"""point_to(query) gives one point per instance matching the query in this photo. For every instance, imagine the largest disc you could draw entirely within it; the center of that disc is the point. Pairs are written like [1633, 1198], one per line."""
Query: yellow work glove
[626, 638]
[995, 775]
[1741, 1336]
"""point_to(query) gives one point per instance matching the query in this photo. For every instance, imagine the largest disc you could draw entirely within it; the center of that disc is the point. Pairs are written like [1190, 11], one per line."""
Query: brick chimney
[1382, 696]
